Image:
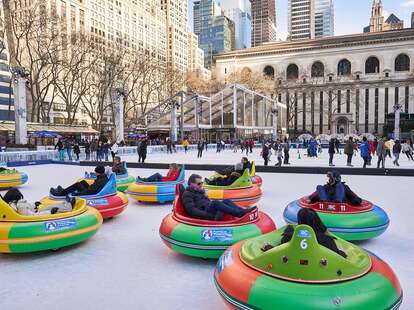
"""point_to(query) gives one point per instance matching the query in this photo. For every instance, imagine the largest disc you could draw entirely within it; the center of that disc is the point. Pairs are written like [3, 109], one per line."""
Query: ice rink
[296, 158]
[126, 266]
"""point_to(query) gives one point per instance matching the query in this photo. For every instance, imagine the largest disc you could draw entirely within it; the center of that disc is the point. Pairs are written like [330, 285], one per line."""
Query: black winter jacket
[196, 202]
[96, 186]
[323, 239]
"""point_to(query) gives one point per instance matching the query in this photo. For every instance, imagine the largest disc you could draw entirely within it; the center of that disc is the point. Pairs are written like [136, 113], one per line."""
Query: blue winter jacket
[364, 148]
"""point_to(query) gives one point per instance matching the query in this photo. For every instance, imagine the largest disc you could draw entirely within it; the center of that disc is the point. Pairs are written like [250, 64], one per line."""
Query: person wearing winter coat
[76, 151]
[364, 149]
[265, 153]
[200, 148]
[83, 188]
[331, 151]
[69, 147]
[381, 153]
[396, 150]
[118, 167]
[94, 150]
[407, 150]
[15, 199]
[199, 206]
[279, 155]
[186, 144]
[349, 151]
[142, 151]
[61, 150]
[87, 150]
[286, 149]
[114, 150]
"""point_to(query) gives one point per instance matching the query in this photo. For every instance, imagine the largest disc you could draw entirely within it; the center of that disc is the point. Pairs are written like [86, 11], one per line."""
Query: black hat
[100, 169]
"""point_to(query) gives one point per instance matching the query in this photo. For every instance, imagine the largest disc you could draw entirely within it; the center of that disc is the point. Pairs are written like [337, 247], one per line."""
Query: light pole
[119, 115]
[173, 121]
[397, 110]
[275, 113]
[20, 76]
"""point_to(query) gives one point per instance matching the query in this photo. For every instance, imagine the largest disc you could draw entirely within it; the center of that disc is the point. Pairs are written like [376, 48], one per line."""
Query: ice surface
[126, 266]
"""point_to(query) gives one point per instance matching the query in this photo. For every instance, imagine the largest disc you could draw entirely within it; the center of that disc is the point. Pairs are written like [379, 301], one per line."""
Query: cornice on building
[353, 40]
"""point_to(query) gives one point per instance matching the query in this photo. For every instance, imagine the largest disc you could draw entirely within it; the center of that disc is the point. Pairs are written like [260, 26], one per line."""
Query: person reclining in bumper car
[238, 167]
[199, 206]
[334, 191]
[310, 217]
[118, 167]
[15, 199]
[172, 175]
[82, 188]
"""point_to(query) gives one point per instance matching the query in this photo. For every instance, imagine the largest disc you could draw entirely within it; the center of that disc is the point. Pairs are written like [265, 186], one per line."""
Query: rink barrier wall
[270, 169]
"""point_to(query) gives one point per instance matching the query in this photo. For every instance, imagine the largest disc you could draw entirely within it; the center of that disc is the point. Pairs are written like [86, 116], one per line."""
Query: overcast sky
[351, 16]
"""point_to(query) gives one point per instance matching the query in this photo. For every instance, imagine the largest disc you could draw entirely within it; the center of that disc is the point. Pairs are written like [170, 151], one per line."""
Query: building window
[407, 98]
[292, 72]
[402, 63]
[312, 112]
[376, 110]
[269, 71]
[348, 101]
[372, 65]
[304, 111]
[344, 67]
[339, 101]
[357, 110]
[318, 69]
[321, 112]
[366, 109]
[386, 102]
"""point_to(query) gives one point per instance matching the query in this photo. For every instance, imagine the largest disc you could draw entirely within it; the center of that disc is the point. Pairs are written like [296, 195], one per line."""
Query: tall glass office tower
[309, 19]
[215, 31]
[239, 11]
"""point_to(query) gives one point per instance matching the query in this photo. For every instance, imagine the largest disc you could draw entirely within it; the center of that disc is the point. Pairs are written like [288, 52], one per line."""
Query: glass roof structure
[233, 107]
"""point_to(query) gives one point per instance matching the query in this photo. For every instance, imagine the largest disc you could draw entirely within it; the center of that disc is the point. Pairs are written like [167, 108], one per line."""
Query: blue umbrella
[44, 134]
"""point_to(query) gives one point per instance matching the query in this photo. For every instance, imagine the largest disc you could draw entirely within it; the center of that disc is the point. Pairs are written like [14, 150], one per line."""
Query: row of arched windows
[372, 65]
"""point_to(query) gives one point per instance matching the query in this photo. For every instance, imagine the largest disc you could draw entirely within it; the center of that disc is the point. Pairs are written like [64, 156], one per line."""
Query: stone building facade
[344, 84]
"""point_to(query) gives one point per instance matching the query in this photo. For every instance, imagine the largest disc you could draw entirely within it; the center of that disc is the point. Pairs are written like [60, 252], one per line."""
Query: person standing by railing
[61, 151]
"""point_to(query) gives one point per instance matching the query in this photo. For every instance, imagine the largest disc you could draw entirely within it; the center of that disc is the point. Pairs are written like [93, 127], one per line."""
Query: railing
[122, 151]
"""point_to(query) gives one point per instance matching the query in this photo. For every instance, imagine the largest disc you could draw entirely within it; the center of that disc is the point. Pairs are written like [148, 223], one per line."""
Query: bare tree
[73, 75]
[37, 48]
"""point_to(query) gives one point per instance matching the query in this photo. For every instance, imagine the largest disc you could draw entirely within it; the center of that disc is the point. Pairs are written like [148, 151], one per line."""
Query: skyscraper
[263, 21]
[239, 11]
[309, 19]
[324, 18]
[215, 31]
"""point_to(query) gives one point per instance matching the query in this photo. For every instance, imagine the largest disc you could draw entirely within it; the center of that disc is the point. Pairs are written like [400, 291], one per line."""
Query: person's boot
[250, 209]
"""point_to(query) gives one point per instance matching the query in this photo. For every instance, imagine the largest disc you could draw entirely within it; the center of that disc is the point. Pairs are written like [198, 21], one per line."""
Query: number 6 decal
[303, 244]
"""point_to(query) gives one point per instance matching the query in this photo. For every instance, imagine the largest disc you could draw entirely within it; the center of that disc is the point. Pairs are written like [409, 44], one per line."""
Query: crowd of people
[100, 149]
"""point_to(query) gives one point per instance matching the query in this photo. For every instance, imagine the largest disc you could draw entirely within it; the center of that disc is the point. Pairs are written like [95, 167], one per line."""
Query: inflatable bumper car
[242, 192]
[346, 221]
[208, 239]
[12, 178]
[302, 274]
[109, 202]
[20, 233]
[155, 191]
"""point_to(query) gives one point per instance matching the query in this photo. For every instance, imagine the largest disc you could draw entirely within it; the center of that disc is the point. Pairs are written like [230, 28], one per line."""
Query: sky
[351, 16]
